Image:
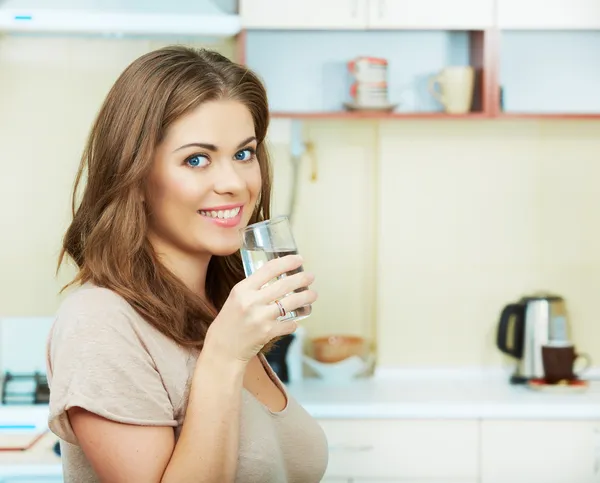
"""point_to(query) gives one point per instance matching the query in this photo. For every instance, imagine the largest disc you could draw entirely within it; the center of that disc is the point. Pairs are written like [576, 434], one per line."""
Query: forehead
[224, 123]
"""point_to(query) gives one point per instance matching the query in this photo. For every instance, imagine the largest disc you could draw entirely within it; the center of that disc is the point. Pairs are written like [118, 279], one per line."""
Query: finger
[272, 269]
[285, 285]
[298, 299]
[284, 328]
[292, 302]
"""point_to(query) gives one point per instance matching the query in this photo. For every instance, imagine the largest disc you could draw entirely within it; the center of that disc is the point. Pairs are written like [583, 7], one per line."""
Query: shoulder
[89, 299]
[91, 311]
[98, 359]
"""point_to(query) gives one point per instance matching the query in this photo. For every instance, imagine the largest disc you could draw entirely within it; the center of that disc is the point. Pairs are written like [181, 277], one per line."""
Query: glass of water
[265, 241]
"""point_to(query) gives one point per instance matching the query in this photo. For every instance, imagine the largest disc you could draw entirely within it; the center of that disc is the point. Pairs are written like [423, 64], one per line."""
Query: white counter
[437, 396]
[443, 397]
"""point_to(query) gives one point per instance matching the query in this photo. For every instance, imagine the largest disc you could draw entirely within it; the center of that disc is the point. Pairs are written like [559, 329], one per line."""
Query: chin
[221, 249]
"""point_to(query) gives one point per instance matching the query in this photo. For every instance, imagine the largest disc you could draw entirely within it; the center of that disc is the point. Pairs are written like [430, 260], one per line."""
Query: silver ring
[282, 311]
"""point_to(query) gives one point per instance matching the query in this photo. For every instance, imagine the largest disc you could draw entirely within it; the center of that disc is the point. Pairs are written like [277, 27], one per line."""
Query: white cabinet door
[549, 14]
[416, 480]
[540, 452]
[431, 14]
[403, 450]
[303, 14]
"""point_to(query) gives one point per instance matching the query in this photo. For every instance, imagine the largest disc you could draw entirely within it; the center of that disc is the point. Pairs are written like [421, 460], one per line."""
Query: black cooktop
[25, 388]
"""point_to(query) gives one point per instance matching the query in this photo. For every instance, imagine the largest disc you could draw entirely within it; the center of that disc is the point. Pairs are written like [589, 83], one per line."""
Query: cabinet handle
[358, 448]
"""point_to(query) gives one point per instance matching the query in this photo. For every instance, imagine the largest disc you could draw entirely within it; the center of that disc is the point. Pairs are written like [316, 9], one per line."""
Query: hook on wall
[297, 145]
[298, 148]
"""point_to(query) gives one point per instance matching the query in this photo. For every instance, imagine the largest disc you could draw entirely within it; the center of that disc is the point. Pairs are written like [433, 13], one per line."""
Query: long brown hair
[107, 238]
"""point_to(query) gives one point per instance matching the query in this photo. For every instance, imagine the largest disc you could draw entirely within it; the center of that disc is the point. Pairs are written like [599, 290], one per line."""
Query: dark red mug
[559, 362]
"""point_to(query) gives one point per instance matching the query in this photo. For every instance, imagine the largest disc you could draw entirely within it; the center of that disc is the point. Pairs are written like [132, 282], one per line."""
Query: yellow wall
[476, 215]
[50, 91]
[451, 219]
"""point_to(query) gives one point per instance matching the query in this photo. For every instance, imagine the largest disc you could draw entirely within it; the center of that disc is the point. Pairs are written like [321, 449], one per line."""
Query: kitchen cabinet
[369, 451]
[540, 451]
[431, 14]
[549, 14]
[367, 14]
[303, 14]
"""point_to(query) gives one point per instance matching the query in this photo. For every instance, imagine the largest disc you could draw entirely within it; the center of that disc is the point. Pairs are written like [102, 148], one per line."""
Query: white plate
[356, 107]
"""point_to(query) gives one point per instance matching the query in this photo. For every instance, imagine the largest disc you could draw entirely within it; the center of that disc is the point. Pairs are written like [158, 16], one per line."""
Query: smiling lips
[226, 216]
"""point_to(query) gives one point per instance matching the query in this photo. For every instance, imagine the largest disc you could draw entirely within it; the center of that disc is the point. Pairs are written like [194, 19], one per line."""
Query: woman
[155, 359]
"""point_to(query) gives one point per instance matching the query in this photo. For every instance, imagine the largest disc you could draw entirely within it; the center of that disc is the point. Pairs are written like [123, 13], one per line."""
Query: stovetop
[25, 388]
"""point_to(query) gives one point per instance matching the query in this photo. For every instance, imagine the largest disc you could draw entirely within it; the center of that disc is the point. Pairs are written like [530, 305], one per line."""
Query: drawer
[402, 449]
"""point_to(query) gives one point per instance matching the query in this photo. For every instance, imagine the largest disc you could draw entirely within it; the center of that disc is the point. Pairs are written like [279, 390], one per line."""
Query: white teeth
[222, 214]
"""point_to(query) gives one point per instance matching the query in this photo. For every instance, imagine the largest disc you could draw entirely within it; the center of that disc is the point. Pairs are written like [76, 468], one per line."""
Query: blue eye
[196, 161]
[244, 155]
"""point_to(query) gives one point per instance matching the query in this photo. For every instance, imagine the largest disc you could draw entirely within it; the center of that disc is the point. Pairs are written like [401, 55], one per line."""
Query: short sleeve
[98, 361]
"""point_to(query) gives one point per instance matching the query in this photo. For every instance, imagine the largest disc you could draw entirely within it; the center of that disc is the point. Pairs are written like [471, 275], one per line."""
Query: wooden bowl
[335, 348]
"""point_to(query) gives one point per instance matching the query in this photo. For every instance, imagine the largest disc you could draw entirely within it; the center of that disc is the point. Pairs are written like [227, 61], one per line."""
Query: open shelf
[550, 74]
[306, 75]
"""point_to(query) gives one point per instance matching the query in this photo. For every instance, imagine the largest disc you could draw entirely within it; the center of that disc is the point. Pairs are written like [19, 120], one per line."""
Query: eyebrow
[212, 147]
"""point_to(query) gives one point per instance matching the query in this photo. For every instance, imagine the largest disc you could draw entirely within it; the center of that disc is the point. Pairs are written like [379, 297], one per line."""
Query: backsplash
[473, 216]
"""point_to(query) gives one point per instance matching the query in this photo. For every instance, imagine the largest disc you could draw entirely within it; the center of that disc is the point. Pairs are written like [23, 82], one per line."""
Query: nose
[227, 180]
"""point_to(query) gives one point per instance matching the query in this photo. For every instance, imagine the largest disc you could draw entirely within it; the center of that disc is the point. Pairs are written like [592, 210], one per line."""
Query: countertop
[414, 395]
[443, 395]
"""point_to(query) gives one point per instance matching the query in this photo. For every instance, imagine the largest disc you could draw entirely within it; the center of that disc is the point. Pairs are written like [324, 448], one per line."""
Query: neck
[190, 268]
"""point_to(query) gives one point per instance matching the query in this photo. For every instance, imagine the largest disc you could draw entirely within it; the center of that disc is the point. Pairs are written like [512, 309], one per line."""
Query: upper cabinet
[367, 14]
[304, 14]
[549, 14]
[420, 14]
[431, 14]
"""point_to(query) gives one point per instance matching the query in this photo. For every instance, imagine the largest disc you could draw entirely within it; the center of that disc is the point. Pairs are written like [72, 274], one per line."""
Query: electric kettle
[526, 326]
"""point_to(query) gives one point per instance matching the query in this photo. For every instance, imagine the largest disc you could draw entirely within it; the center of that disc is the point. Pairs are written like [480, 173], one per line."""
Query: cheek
[184, 189]
[172, 189]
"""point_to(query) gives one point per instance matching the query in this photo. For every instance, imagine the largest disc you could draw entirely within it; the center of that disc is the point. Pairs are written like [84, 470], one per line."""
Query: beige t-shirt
[103, 357]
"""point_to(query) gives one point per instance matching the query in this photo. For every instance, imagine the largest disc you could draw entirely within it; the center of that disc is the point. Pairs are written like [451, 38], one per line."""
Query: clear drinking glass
[265, 241]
